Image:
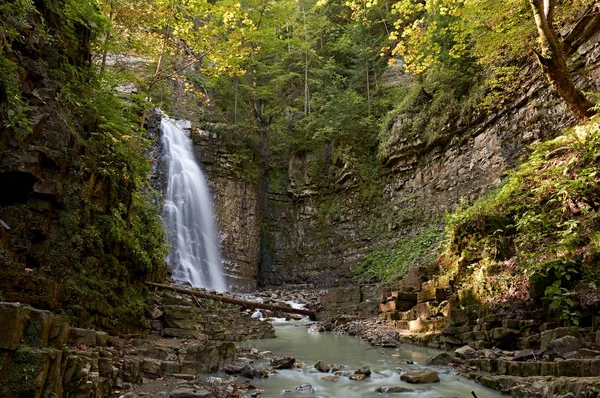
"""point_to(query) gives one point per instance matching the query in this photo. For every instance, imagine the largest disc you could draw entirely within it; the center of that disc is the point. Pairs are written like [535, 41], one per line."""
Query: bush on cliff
[539, 233]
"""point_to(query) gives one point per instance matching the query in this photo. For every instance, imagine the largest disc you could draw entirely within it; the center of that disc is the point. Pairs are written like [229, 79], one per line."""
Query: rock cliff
[309, 234]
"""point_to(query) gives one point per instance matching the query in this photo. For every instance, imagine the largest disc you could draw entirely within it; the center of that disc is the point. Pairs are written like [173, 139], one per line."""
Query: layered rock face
[41, 355]
[237, 210]
[320, 238]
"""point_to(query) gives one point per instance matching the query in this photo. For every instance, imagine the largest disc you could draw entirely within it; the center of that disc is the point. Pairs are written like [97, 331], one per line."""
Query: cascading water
[188, 213]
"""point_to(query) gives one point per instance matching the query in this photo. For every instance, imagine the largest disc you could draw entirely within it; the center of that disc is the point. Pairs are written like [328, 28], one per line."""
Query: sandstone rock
[85, 337]
[151, 366]
[323, 366]
[189, 393]
[101, 339]
[548, 335]
[15, 315]
[38, 328]
[393, 390]
[441, 359]
[283, 362]
[562, 345]
[168, 368]
[523, 355]
[59, 333]
[425, 376]
[154, 352]
[465, 352]
[105, 367]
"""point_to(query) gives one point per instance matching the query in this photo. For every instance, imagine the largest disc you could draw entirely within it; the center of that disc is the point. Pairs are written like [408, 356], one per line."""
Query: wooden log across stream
[244, 303]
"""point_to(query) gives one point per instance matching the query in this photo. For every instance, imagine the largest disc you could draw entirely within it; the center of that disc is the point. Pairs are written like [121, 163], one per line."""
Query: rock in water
[283, 362]
[358, 376]
[250, 372]
[393, 390]
[305, 388]
[363, 371]
[323, 366]
[425, 376]
[441, 359]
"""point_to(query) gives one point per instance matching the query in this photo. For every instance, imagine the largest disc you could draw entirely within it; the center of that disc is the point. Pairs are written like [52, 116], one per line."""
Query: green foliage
[418, 250]
[544, 217]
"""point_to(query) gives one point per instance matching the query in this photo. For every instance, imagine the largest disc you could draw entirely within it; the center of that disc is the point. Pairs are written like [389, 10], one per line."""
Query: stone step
[422, 325]
[567, 367]
[432, 294]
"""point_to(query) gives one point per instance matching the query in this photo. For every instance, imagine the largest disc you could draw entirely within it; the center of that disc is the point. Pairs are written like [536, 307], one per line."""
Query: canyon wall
[237, 210]
[311, 235]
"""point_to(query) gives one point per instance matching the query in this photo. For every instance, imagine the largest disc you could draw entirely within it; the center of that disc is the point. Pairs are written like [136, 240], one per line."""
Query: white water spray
[188, 213]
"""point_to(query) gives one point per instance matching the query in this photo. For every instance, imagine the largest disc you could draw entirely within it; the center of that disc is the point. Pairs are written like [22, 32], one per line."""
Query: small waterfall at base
[188, 213]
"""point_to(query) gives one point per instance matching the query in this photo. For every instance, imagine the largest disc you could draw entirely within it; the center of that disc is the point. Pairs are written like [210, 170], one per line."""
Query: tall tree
[553, 60]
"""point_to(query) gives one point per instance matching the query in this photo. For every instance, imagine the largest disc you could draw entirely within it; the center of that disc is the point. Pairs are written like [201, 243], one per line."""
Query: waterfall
[188, 213]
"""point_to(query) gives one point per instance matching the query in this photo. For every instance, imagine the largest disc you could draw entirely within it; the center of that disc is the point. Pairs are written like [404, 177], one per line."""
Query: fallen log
[244, 303]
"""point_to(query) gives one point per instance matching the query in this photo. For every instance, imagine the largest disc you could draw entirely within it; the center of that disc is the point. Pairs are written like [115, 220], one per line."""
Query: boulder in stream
[424, 376]
[305, 388]
[283, 362]
[364, 371]
[323, 366]
[250, 372]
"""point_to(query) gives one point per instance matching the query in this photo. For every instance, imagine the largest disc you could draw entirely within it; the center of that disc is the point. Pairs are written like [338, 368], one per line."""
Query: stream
[351, 353]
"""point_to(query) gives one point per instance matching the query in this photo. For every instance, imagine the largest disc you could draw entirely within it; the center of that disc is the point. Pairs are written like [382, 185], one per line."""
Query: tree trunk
[553, 61]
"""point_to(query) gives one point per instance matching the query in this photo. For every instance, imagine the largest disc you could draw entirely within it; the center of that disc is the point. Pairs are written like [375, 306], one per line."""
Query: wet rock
[425, 376]
[283, 362]
[562, 345]
[441, 359]
[232, 369]
[331, 378]
[189, 393]
[305, 388]
[364, 371]
[358, 376]
[250, 372]
[323, 366]
[393, 390]
[465, 352]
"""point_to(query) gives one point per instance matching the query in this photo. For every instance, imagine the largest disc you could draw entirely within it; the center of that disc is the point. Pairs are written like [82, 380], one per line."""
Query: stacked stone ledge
[41, 355]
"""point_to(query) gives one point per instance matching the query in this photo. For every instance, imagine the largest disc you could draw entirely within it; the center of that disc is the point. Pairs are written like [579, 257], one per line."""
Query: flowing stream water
[352, 353]
[188, 213]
